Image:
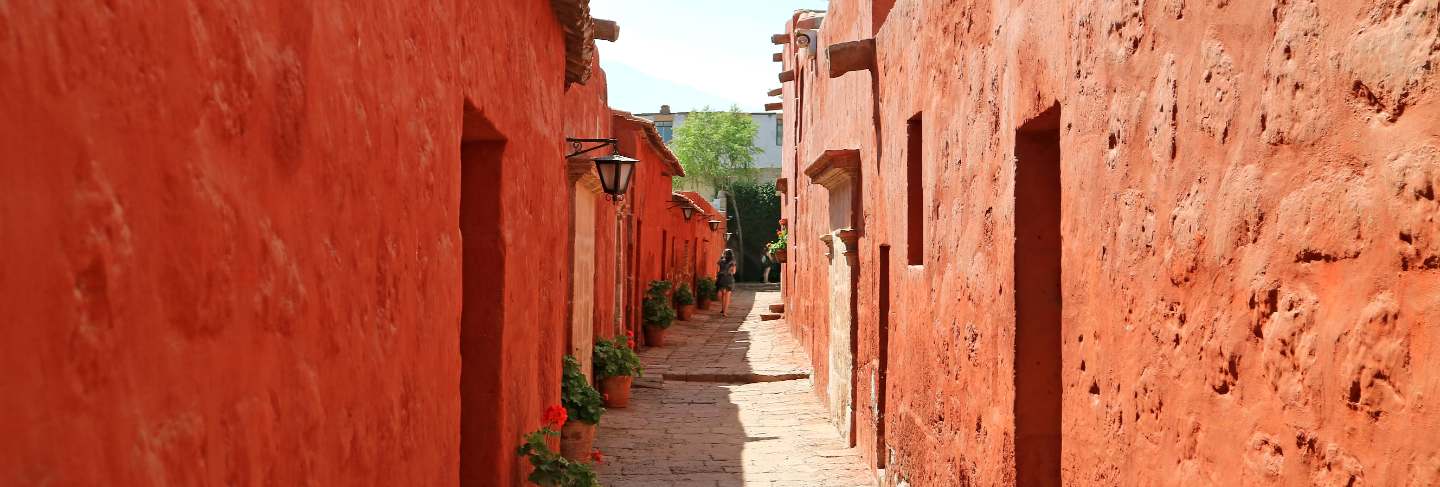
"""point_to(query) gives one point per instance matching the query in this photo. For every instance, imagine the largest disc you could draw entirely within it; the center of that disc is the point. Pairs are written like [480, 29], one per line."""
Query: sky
[693, 53]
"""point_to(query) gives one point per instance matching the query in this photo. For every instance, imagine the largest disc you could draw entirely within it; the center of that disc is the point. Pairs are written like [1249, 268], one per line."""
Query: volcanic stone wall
[1248, 246]
[232, 240]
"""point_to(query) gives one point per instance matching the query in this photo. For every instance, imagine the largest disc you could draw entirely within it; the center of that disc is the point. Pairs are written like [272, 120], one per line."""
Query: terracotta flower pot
[655, 336]
[616, 391]
[576, 440]
[780, 256]
[686, 311]
[702, 304]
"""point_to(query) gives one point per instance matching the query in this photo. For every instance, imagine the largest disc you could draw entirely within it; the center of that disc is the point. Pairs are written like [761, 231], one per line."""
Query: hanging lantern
[714, 225]
[688, 211]
[615, 173]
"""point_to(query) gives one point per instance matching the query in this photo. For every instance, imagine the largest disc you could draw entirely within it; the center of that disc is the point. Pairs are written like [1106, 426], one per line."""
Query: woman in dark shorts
[725, 280]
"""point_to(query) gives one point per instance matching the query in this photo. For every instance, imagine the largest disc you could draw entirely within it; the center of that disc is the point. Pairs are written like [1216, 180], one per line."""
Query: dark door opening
[481, 312]
[1038, 304]
[882, 380]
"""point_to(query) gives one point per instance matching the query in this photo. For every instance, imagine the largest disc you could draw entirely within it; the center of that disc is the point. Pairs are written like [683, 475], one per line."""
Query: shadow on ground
[720, 405]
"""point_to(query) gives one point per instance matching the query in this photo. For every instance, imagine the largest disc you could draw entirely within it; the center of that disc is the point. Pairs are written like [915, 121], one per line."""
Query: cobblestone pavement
[740, 424]
[713, 348]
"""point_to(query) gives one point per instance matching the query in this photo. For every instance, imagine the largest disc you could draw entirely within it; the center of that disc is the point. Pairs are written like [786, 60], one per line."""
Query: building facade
[1119, 243]
[300, 244]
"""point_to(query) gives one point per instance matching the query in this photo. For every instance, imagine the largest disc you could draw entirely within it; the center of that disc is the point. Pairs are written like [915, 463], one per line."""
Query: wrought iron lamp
[714, 225]
[615, 170]
[688, 211]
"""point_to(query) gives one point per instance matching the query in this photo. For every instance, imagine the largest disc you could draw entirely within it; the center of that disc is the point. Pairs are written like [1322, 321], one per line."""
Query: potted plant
[778, 247]
[550, 468]
[617, 365]
[657, 313]
[704, 292]
[582, 408]
[684, 302]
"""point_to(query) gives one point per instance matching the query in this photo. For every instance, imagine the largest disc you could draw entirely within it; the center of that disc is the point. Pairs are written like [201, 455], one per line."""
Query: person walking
[765, 263]
[725, 280]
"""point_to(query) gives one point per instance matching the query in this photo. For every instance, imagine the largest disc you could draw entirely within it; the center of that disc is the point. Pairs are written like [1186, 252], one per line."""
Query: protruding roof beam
[780, 39]
[769, 107]
[787, 76]
[775, 92]
[851, 56]
[607, 30]
[777, 57]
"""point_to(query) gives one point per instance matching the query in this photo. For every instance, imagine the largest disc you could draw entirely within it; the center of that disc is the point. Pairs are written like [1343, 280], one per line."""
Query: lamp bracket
[577, 147]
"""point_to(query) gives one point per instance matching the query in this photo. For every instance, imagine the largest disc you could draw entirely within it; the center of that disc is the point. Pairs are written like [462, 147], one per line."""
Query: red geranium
[597, 456]
[555, 416]
[629, 334]
[632, 343]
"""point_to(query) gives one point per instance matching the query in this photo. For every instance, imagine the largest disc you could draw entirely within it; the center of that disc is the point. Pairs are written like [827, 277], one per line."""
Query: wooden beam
[777, 57]
[786, 76]
[851, 56]
[780, 39]
[811, 22]
[607, 30]
[774, 106]
[775, 92]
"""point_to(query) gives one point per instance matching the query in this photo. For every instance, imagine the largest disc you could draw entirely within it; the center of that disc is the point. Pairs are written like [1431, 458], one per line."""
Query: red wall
[1245, 220]
[657, 226]
[233, 245]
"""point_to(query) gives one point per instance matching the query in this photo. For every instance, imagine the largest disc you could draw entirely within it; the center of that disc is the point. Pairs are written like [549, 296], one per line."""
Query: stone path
[738, 417]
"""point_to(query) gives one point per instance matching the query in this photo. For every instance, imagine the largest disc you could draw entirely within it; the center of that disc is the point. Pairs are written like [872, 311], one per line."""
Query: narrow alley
[728, 401]
[486, 243]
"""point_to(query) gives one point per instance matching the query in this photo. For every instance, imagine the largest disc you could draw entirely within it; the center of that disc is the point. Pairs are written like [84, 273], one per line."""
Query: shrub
[683, 296]
[705, 288]
[551, 469]
[656, 310]
[616, 357]
[582, 402]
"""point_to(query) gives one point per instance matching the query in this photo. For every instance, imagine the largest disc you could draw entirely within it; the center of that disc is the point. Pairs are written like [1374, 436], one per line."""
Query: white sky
[693, 53]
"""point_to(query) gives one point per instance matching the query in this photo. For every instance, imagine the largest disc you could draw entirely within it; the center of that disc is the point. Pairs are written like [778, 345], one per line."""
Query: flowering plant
[582, 402]
[616, 357]
[551, 469]
[781, 240]
[656, 309]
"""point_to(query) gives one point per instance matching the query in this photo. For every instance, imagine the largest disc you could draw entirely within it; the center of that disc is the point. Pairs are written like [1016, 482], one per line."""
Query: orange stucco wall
[1249, 239]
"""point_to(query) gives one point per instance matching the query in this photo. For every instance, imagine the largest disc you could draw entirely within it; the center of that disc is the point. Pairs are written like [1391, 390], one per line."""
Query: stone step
[777, 308]
[771, 316]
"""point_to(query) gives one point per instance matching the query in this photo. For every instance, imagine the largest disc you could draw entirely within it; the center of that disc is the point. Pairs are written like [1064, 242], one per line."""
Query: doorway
[482, 152]
[882, 379]
[1038, 301]
[582, 266]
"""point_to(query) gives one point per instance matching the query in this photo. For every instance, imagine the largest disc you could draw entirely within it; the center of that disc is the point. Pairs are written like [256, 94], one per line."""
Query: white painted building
[769, 130]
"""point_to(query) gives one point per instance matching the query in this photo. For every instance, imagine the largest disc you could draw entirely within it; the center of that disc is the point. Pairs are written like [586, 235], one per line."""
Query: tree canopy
[717, 147]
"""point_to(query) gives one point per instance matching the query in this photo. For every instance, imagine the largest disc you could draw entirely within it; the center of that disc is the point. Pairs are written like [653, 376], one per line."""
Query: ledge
[835, 167]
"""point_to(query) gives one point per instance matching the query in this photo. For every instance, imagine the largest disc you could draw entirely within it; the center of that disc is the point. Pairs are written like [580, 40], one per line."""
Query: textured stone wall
[232, 243]
[1248, 218]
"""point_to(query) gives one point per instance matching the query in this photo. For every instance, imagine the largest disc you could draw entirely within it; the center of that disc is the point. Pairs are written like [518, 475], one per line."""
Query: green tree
[717, 148]
[758, 208]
